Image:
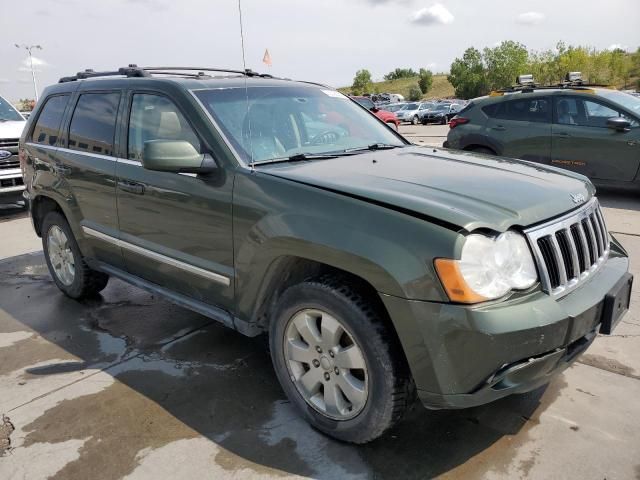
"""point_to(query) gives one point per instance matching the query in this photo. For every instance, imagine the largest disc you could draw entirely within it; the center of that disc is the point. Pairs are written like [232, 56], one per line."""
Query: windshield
[8, 113]
[441, 108]
[410, 106]
[284, 121]
[623, 99]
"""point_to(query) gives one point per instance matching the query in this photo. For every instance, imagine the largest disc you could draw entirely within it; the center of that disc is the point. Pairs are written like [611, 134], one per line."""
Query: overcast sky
[320, 40]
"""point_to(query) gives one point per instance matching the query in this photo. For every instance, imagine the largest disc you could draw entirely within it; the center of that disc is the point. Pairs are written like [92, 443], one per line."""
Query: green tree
[504, 63]
[467, 74]
[362, 82]
[426, 80]
[415, 93]
[400, 73]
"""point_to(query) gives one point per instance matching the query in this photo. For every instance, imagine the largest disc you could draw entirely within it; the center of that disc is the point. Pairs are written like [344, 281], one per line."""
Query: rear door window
[47, 126]
[93, 124]
[521, 110]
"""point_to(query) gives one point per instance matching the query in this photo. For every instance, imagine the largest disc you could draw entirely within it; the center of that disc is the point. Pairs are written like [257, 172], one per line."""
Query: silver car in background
[412, 111]
[11, 125]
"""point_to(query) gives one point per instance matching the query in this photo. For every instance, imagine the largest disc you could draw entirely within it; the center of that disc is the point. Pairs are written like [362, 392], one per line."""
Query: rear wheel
[66, 264]
[414, 120]
[338, 362]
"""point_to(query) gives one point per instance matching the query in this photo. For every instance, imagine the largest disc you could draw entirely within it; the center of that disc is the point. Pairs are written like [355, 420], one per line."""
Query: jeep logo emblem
[577, 197]
[5, 154]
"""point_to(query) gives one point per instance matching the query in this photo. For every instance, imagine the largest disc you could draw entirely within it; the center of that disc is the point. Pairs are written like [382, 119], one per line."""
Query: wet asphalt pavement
[126, 385]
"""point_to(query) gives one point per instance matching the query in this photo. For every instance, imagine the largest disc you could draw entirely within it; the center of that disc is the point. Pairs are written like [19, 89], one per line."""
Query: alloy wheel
[326, 364]
[60, 255]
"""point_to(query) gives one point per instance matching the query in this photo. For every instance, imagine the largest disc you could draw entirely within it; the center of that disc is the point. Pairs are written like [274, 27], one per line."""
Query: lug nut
[316, 363]
[331, 354]
[318, 349]
[326, 376]
[336, 371]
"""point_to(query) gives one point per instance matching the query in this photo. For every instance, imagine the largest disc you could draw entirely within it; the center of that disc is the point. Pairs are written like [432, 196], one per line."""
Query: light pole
[28, 48]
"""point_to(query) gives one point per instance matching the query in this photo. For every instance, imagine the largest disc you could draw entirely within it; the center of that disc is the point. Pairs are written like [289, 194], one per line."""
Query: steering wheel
[328, 136]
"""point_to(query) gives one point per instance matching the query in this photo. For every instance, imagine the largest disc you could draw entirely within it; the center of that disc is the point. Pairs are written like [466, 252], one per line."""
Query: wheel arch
[41, 205]
[289, 270]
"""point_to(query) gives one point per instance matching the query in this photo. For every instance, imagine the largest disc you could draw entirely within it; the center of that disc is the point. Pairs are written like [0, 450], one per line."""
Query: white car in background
[11, 125]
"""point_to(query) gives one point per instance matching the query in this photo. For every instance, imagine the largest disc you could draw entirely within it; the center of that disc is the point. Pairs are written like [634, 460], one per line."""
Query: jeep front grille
[570, 249]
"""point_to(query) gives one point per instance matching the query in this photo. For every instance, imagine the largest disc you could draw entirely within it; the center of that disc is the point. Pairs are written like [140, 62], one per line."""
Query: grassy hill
[441, 87]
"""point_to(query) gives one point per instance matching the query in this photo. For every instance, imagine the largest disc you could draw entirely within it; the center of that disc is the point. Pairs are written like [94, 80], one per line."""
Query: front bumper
[462, 356]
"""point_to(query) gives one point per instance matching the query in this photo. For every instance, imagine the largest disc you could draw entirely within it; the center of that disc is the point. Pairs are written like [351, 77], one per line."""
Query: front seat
[259, 135]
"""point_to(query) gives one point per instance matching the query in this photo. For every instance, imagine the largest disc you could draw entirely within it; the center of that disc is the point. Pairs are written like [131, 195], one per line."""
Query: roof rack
[526, 83]
[133, 71]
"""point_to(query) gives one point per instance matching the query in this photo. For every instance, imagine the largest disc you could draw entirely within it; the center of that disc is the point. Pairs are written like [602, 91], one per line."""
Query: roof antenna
[246, 88]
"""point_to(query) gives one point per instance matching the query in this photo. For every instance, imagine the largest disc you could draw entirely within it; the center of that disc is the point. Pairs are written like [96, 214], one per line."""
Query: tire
[414, 120]
[425, 121]
[385, 388]
[83, 281]
[483, 150]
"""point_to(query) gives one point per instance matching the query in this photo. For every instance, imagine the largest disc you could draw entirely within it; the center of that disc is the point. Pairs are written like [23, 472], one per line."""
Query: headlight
[488, 268]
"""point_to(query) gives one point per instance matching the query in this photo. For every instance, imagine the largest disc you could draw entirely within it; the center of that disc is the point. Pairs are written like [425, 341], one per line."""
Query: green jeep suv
[592, 131]
[379, 270]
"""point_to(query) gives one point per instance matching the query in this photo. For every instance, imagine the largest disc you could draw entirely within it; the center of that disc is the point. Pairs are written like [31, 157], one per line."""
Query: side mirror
[619, 124]
[374, 109]
[177, 156]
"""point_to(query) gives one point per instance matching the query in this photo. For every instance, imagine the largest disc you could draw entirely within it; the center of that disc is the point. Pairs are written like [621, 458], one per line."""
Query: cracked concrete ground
[130, 386]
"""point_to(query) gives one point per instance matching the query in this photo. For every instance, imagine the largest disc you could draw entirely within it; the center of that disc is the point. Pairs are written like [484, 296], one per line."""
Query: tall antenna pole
[246, 87]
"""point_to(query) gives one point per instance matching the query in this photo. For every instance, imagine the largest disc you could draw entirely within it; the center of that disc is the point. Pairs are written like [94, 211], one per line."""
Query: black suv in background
[592, 131]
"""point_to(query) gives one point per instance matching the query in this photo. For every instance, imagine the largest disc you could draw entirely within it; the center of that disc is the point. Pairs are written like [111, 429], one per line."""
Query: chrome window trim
[565, 222]
[187, 267]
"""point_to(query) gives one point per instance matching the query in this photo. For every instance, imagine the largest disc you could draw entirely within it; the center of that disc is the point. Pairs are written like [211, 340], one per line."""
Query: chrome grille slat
[574, 253]
[570, 249]
[592, 240]
[585, 248]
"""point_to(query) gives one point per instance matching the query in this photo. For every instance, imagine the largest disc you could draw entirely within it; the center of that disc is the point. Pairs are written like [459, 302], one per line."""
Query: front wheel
[338, 362]
[414, 120]
[66, 264]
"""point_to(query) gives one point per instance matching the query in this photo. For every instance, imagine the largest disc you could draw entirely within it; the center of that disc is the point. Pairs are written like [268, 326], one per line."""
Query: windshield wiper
[299, 157]
[374, 146]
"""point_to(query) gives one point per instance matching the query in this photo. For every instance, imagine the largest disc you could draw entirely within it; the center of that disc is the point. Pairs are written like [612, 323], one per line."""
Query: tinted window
[154, 117]
[523, 110]
[365, 102]
[46, 130]
[93, 124]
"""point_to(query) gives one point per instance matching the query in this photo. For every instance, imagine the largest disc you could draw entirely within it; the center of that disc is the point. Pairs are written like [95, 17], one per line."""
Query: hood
[12, 129]
[460, 190]
[385, 115]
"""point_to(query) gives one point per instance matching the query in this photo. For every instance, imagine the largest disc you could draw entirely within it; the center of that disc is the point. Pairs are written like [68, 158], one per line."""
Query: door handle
[499, 128]
[131, 187]
[562, 135]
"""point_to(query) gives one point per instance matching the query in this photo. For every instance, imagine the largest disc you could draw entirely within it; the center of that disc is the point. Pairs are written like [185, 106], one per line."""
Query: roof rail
[133, 70]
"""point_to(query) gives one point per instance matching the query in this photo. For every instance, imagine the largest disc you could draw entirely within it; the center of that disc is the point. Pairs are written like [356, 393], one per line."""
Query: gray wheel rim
[60, 255]
[326, 364]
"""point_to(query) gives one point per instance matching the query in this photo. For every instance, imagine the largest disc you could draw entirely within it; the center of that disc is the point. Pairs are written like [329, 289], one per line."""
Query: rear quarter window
[93, 124]
[47, 125]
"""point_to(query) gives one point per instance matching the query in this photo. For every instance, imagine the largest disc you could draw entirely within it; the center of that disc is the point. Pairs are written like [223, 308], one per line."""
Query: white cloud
[530, 18]
[4, 80]
[618, 46]
[37, 62]
[437, 14]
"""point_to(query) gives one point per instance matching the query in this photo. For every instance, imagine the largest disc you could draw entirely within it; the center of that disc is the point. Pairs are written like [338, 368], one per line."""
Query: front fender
[276, 218]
